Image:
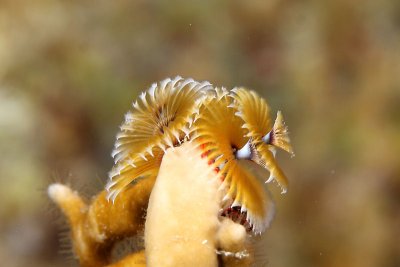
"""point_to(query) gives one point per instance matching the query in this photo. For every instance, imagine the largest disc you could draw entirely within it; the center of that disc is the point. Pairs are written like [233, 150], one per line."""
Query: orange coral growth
[229, 130]
[97, 226]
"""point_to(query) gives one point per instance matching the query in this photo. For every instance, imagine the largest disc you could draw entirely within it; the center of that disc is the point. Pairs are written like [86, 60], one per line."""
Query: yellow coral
[229, 132]
[97, 226]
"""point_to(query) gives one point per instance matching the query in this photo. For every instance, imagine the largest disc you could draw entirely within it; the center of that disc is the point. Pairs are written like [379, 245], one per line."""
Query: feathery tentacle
[220, 134]
[160, 118]
[264, 138]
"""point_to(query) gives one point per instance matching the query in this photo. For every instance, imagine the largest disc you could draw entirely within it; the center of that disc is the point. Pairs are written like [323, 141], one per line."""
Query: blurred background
[69, 70]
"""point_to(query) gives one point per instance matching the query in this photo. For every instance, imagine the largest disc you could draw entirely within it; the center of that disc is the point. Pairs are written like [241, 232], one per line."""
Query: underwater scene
[200, 133]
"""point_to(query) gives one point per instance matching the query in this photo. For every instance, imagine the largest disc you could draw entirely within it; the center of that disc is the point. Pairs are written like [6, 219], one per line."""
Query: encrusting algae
[207, 153]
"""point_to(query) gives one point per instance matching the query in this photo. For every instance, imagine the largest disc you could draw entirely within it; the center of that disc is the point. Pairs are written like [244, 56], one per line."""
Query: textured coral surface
[183, 226]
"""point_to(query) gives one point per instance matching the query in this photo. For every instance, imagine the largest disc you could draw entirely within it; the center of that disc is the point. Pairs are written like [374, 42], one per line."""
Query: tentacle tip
[112, 195]
[58, 191]
[270, 179]
[226, 198]
[143, 156]
[109, 185]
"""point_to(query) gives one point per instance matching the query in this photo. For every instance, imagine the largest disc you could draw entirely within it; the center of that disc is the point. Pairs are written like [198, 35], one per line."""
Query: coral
[182, 217]
[97, 226]
[190, 163]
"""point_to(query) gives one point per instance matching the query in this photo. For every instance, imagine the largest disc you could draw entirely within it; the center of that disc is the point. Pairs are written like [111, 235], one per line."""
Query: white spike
[164, 83]
[110, 196]
[189, 122]
[270, 178]
[131, 163]
[114, 172]
[205, 86]
[235, 203]
[273, 150]
[243, 208]
[152, 90]
[186, 130]
[150, 150]
[235, 90]
[194, 120]
[110, 184]
[196, 110]
[174, 82]
[114, 152]
[162, 146]
[168, 142]
[143, 97]
[244, 152]
[135, 105]
[129, 118]
[222, 187]
[194, 137]
[218, 157]
[226, 198]
[267, 138]
[189, 82]
[118, 157]
[143, 156]
[176, 134]
[114, 195]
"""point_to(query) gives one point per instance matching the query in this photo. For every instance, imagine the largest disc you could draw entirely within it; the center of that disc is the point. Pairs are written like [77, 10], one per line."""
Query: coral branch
[205, 151]
[96, 227]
